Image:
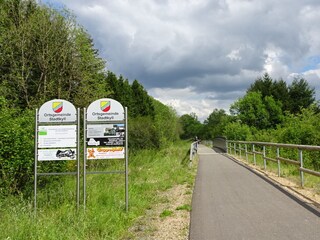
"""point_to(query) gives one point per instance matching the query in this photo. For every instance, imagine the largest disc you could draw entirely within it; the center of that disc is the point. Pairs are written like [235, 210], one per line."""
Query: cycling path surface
[231, 202]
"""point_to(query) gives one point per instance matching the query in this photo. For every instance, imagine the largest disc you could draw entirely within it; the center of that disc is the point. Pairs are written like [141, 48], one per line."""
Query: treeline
[152, 124]
[270, 111]
[44, 55]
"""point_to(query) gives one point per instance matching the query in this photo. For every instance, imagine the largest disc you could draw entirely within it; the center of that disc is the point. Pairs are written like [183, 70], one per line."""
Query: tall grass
[150, 171]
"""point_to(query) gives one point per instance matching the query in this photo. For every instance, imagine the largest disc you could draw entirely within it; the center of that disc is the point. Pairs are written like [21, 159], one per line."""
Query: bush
[16, 149]
[143, 134]
[237, 131]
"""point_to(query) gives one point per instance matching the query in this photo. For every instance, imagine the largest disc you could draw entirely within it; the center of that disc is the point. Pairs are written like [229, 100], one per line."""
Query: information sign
[110, 141]
[106, 135]
[105, 110]
[57, 154]
[105, 130]
[57, 111]
[57, 136]
[105, 153]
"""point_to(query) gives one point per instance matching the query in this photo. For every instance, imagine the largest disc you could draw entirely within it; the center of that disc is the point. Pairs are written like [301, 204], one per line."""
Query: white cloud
[187, 101]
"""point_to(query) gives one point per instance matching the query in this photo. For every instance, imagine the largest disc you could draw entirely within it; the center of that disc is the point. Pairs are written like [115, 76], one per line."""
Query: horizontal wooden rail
[237, 147]
[289, 161]
[310, 171]
[271, 159]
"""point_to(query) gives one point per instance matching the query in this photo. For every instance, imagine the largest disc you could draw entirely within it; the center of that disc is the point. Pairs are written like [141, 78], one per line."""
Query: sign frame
[54, 114]
[96, 116]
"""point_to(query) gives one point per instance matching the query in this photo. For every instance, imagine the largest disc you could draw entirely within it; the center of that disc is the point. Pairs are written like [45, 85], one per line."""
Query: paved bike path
[231, 202]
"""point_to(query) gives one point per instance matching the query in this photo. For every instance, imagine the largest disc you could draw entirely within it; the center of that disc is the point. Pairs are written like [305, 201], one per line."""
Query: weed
[166, 213]
[186, 207]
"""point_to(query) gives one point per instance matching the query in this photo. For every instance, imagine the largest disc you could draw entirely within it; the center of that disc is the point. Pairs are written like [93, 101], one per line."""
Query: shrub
[237, 131]
[16, 149]
[143, 134]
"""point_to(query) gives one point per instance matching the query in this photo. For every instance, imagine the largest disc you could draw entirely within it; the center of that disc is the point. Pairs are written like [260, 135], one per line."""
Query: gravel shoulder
[168, 220]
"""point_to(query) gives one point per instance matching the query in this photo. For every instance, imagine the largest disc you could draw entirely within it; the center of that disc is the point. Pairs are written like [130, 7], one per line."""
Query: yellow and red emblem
[105, 106]
[57, 107]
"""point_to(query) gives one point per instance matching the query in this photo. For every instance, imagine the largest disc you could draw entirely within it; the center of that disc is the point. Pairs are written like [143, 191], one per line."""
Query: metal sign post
[105, 137]
[57, 139]
[127, 161]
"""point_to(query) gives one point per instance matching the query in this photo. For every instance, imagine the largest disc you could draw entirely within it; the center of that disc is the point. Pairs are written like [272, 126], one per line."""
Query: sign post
[105, 137]
[57, 129]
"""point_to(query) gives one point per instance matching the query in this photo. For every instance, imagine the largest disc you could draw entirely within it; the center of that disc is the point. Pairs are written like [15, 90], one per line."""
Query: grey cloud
[212, 45]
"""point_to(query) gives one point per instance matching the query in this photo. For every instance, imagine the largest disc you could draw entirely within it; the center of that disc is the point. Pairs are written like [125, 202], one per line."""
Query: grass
[166, 213]
[150, 171]
[185, 207]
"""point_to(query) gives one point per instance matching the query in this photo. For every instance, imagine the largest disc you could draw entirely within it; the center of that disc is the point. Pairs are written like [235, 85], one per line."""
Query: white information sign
[105, 130]
[57, 111]
[105, 153]
[57, 154]
[105, 110]
[57, 136]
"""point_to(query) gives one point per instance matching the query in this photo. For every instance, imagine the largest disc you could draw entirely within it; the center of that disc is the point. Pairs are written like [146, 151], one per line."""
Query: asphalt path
[231, 202]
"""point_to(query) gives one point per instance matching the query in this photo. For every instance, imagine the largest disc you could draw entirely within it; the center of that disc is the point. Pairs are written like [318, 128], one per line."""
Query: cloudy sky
[198, 55]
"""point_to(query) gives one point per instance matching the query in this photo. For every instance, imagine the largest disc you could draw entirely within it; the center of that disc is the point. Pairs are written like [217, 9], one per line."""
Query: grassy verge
[287, 171]
[151, 171]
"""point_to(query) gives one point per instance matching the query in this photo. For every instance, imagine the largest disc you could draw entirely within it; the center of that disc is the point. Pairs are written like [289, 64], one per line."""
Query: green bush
[16, 149]
[237, 131]
[143, 134]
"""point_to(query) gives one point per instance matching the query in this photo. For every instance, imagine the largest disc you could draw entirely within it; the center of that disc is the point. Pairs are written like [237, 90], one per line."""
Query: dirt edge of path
[169, 219]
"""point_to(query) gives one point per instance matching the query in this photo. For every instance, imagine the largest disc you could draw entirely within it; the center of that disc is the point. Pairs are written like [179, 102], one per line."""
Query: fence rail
[193, 151]
[241, 147]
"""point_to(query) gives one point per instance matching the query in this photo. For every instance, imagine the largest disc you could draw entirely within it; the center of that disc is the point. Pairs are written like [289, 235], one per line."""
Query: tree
[237, 131]
[90, 70]
[46, 55]
[274, 110]
[166, 122]
[301, 95]
[251, 110]
[256, 111]
[293, 97]
[269, 87]
[214, 125]
[264, 85]
[142, 102]
[191, 126]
